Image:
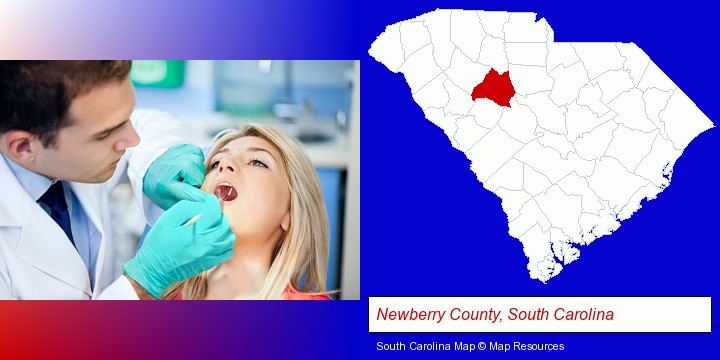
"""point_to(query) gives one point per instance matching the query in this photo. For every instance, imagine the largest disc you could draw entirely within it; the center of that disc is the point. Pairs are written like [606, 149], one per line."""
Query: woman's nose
[225, 165]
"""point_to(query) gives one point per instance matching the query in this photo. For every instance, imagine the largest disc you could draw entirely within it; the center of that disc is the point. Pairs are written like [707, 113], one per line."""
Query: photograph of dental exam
[281, 150]
[180, 180]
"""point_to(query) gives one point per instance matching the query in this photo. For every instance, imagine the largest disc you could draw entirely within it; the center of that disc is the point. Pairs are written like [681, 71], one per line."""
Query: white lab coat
[37, 260]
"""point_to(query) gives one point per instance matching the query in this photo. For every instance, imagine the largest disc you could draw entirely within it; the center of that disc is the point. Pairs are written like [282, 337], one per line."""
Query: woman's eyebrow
[253, 148]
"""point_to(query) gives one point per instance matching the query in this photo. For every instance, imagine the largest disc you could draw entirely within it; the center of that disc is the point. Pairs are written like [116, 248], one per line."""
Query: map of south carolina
[571, 136]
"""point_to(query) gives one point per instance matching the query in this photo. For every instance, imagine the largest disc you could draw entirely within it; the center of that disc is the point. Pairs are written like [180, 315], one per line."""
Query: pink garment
[292, 294]
[289, 294]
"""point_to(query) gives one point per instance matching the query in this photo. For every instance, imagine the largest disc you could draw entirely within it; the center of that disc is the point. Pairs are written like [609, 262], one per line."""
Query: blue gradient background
[189, 29]
[428, 226]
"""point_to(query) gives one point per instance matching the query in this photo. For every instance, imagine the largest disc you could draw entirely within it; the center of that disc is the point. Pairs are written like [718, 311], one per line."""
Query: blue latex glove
[175, 175]
[174, 251]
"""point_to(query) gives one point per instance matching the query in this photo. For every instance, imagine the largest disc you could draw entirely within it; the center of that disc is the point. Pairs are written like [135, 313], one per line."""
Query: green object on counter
[158, 73]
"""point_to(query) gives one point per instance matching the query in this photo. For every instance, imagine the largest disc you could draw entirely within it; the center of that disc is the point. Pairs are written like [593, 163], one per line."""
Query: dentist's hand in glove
[173, 251]
[175, 175]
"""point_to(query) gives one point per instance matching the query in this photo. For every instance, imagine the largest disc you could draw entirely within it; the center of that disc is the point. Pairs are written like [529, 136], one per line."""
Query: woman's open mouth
[225, 192]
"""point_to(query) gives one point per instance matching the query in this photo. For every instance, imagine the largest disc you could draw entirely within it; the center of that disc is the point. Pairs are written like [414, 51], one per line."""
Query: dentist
[68, 135]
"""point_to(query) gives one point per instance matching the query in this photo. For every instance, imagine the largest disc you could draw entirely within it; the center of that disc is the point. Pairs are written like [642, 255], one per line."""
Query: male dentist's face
[89, 149]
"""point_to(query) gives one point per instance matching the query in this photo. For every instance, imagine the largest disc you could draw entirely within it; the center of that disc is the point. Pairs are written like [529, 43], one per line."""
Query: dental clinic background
[430, 229]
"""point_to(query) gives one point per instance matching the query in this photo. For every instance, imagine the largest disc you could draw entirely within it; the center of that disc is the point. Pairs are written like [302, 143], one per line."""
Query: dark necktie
[54, 198]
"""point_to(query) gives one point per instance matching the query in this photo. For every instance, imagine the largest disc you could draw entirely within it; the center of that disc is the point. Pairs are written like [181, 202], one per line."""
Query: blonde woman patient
[270, 193]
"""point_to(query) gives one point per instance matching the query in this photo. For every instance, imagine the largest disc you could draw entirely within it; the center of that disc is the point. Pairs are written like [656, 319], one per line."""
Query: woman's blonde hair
[301, 256]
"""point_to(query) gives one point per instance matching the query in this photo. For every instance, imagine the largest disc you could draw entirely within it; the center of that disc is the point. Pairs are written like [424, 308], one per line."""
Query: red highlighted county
[495, 87]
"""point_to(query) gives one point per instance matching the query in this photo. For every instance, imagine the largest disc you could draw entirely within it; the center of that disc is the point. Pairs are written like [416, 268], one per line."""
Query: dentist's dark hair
[35, 96]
